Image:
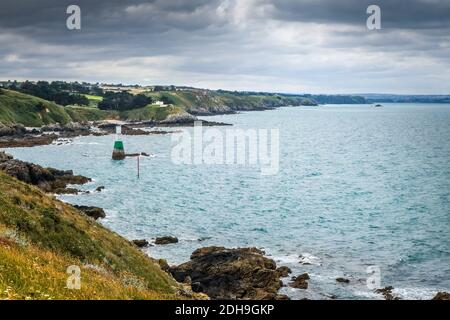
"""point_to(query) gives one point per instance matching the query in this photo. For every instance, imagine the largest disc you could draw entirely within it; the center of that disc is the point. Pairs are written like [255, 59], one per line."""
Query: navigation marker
[119, 151]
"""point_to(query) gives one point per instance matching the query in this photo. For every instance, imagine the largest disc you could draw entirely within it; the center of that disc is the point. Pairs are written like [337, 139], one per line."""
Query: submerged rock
[231, 273]
[93, 212]
[300, 282]
[142, 154]
[342, 280]
[166, 240]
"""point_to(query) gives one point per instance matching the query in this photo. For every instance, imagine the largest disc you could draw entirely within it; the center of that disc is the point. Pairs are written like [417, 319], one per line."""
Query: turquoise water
[357, 186]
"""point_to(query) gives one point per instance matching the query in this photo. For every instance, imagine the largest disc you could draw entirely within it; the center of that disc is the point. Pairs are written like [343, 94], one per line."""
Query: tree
[122, 101]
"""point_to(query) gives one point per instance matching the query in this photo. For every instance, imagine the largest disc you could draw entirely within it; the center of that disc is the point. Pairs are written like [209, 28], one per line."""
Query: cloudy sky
[299, 46]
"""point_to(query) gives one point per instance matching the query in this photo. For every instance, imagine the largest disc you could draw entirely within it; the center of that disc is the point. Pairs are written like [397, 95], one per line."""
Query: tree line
[62, 93]
[122, 101]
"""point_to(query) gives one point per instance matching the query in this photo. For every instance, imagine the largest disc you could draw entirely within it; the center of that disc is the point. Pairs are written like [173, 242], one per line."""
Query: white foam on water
[415, 293]
[292, 258]
[368, 295]
[402, 293]
[307, 258]
[190, 238]
[86, 143]
[110, 214]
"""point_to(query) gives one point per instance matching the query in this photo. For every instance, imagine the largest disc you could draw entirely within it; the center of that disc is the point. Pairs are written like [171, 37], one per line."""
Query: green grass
[30, 111]
[19, 108]
[40, 237]
[93, 98]
[151, 112]
[79, 114]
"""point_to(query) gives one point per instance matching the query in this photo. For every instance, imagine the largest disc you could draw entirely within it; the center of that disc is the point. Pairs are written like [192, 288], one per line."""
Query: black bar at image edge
[225, 309]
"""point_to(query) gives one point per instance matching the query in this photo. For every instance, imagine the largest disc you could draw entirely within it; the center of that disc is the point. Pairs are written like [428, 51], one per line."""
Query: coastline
[301, 284]
[254, 275]
[237, 265]
[19, 136]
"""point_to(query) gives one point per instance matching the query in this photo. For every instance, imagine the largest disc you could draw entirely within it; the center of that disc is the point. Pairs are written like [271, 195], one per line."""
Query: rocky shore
[47, 179]
[223, 273]
[218, 272]
[15, 136]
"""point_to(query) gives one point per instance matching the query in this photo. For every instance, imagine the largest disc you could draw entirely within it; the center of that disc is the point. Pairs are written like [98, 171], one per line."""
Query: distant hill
[17, 107]
[395, 98]
[338, 99]
[209, 102]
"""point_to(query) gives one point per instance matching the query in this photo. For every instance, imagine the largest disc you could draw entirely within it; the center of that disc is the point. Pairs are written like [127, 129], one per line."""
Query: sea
[359, 192]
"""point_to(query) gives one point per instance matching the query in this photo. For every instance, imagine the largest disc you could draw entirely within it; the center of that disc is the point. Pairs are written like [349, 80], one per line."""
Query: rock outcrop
[300, 282]
[166, 240]
[230, 273]
[284, 271]
[387, 293]
[13, 136]
[141, 243]
[47, 179]
[13, 130]
[93, 212]
[73, 129]
[442, 296]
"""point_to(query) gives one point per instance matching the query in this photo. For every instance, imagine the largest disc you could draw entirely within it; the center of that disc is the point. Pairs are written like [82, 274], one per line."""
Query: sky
[292, 46]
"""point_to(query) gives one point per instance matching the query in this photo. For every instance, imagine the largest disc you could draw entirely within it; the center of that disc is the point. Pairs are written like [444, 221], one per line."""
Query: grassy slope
[40, 237]
[80, 114]
[152, 112]
[31, 111]
[28, 110]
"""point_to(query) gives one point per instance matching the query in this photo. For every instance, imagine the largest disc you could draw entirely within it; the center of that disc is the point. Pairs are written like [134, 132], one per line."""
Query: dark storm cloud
[104, 14]
[288, 45]
[415, 14]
